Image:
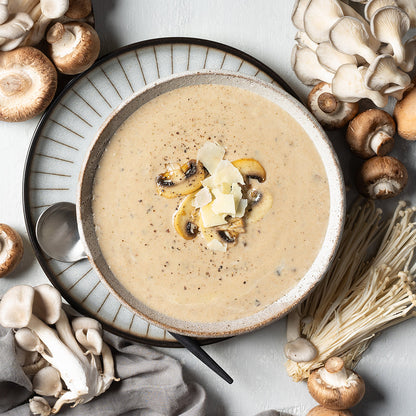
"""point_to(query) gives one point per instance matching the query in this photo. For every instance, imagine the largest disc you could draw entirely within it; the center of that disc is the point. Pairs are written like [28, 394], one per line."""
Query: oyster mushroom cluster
[352, 56]
[219, 196]
[28, 78]
[67, 362]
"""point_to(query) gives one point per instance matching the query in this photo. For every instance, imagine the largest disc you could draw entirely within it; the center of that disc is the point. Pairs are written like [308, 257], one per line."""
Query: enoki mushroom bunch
[358, 297]
[66, 360]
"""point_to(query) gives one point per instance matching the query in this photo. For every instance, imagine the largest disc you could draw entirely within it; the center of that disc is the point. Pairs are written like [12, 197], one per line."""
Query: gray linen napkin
[151, 384]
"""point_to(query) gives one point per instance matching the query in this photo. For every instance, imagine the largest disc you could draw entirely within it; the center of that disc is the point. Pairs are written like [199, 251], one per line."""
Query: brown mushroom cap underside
[81, 57]
[364, 126]
[329, 111]
[28, 82]
[336, 398]
[405, 115]
[378, 170]
[323, 411]
[11, 249]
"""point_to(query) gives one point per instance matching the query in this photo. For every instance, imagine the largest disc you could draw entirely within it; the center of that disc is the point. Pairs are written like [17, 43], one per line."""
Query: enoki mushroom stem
[359, 298]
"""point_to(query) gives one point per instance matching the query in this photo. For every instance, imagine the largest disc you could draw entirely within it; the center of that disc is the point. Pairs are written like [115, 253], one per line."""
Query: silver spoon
[58, 236]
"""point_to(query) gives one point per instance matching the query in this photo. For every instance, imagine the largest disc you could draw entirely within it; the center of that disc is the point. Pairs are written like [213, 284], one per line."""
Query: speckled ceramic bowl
[281, 306]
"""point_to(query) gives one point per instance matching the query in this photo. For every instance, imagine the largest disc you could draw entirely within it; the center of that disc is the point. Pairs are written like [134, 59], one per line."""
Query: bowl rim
[306, 284]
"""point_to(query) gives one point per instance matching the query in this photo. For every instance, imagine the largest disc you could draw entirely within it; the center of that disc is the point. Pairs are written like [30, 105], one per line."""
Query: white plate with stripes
[63, 138]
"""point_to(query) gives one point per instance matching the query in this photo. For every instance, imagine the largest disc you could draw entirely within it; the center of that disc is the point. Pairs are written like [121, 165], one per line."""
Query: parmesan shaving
[359, 298]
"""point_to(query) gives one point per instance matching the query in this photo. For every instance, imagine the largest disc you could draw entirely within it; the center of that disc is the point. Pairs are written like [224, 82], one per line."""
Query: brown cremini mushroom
[79, 9]
[371, 133]
[381, 177]
[28, 83]
[335, 387]
[405, 115]
[74, 46]
[323, 411]
[11, 249]
[328, 110]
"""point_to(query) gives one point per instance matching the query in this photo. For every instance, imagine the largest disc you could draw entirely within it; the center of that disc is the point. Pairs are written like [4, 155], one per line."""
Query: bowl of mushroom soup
[211, 203]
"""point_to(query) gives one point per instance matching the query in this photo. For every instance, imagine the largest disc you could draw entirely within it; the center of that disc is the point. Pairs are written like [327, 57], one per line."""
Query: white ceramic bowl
[281, 306]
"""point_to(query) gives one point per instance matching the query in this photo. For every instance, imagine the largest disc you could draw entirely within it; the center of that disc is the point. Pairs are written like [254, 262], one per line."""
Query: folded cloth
[151, 384]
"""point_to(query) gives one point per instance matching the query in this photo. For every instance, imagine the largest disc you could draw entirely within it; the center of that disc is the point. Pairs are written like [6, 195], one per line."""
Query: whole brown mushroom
[382, 177]
[28, 82]
[335, 387]
[11, 249]
[371, 133]
[328, 110]
[405, 115]
[323, 411]
[74, 46]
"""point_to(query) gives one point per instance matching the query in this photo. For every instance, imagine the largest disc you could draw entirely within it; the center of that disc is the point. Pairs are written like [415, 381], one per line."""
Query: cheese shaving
[359, 298]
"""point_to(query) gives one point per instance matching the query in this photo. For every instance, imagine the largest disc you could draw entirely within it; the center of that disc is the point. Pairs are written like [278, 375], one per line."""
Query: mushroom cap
[300, 350]
[16, 306]
[363, 128]
[54, 9]
[47, 304]
[405, 115]
[28, 82]
[47, 382]
[333, 397]
[11, 249]
[381, 177]
[79, 9]
[328, 110]
[74, 46]
[323, 411]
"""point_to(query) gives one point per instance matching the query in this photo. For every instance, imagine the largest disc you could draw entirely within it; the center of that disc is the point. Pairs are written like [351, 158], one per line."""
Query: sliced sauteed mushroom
[28, 82]
[226, 234]
[382, 177]
[250, 169]
[11, 249]
[259, 204]
[328, 110]
[181, 181]
[335, 387]
[186, 218]
[74, 46]
[371, 133]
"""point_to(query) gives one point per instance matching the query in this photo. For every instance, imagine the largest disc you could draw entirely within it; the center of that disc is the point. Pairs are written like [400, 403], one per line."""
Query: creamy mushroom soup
[183, 278]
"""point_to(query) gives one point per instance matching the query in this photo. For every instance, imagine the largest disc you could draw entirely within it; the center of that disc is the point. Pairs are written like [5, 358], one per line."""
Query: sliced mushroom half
[250, 168]
[260, 203]
[186, 219]
[181, 181]
[227, 233]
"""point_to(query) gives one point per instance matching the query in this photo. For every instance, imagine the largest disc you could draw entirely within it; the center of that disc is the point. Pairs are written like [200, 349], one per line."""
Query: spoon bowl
[57, 233]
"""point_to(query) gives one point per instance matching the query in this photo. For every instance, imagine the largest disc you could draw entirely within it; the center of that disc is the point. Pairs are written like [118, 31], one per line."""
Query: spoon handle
[192, 345]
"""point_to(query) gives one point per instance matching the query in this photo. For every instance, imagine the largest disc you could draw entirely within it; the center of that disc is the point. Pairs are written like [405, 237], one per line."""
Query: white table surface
[263, 29]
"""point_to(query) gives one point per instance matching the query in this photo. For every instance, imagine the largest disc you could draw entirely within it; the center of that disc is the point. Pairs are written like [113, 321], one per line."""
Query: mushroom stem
[61, 357]
[380, 141]
[334, 373]
[293, 326]
[385, 187]
[57, 33]
[328, 103]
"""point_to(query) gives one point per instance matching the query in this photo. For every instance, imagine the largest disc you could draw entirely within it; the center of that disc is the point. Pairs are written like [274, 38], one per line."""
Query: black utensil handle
[191, 345]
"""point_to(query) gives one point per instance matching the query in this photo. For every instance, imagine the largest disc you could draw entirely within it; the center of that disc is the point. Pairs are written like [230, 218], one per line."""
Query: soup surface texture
[183, 278]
